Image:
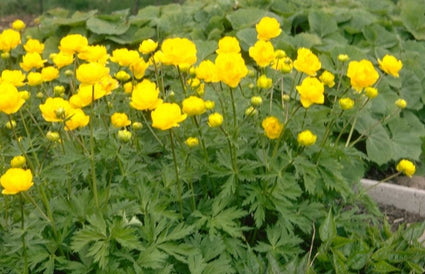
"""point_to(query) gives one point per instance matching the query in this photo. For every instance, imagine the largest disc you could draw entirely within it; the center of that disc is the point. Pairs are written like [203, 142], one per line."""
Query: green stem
[181, 80]
[92, 160]
[176, 169]
[37, 207]
[151, 130]
[31, 165]
[108, 187]
[233, 109]
[24, 248]
[231, 150]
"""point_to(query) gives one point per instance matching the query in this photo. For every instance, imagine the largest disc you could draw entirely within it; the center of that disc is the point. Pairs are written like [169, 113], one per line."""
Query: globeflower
[49, 73]
[264, 82]
[371, 92]
[77, 119]
[272, 127]
[362, 74]
[86, 94]
[10, 99]
[34, 45]
[230, 68]
[18, 25]
[9, 39]
[15, 77]
[94, 53]
[62, 59]
[16, 180]
[268, 28]
[307, 62]
[406, 167]
[311, 92]
[119, 120]
[207, 71]
[178, 52]
[32, 60]
[215, 119]
[91, 73]
[145, 96]
[327, 78]
[18, 161]
[306, 138]
[138, 68]
[401, 103]
[148, 46]
[124, 135]
[346, 103]
[228, 44]
[73, 43]
[34, 78]
[166, 116]
[390, 65]
[262, 52]
[124, 57]
[56, 109]
[193, 106]
[192, 142]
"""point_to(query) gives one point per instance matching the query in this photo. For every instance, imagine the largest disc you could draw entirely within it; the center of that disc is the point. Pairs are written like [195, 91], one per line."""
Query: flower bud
[18, 161]
[24, 94]
[343, 57]
[192, 142]
[406, 167]
[251, 111]
[11, 124]
[209, 104]
[18, 25]
[128, 87]
[122, 75]
[306, 138]
[60, 113]
[52, 136]
[279, 54]
[137, 125]
[124, 135]
[286, 97]
[69, 73]
[256, 100]
[371, 92]
[215, 119]
[401, 103]
[346, 103]
[59, 90]
[264, 82]
[5, 55]
[39, 95]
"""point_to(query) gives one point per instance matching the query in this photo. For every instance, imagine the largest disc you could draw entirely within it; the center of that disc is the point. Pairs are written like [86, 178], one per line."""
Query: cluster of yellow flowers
[95, 81]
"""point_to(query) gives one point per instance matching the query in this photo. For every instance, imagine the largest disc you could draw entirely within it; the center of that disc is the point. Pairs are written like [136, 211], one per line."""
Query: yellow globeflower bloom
[256, 100]
[34, 45]
[215, 119]
[49, 73]
[122, 75]
[306, 138]
[327, 78]
[145, 96]
[10, 99]
[78, 119]
[18, 161]
[148, 46]
[362, 74]
[272, 127]
[346, 103]
[262, 52]
[91, 73]
[73, 43]
[18, 25]
[390, 65]
[307, 62]
[62, 59]
[138, 68]
[371, 92]
[95, 53]
[34, 78]
[32, 60]
[124, 57]
[9, 39]
[16, 180]
[264, 82]
[56, 109]
[166, 116]
[311, 92]
[207, 71]
[119, 119]
[192, 142]
[401, 103]
[128, 87]
[406, 167]
[178, 52]
[268, 28]
[15, 77]
[86, 94]
[230, 68]
[228, 44]
[194, 106]
[343, 57]
[209, 104]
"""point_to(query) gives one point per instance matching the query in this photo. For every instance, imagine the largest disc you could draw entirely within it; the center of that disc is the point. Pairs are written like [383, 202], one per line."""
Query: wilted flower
[390, 65]
[228, 44]
[306, 138]
[362, 74]
[262, 52]
[119, 119]
[145, 96]
[10, 99]
[272, 127]
[268, 28]
[346, 103]
[406, 167]
[16, 180]
[166, 116]
[148, 46]
[311, 92]
[307, 62]
[215, 119]
[193, 106]
[192, 142]
[178, 52]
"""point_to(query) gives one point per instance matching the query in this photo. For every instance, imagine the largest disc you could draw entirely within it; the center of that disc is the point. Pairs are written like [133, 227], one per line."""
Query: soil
[6, 21]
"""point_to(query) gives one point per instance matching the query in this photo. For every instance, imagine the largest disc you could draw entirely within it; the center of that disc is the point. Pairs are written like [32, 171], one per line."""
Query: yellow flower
[34, 78]
[251, 111]
[207, 71]
[18, 25]
[34, 45]
[73, 43]
[77, 119]
[343, 57]
[406, 167]
[122, 75]
[267, 28]
[362, 74]
[53, 136]
[128, 87]
[148, 46]
[91, 73]
[228, 44]
[401, 103]
[59, 90]
[56, 109]
[307, 62]
[124, 135]
[371, 92]
[9, 39]
[49, 73]
[145, 96]
[327, 78]
[256, 100]
[10, 99]
[215, 119]
[95, 53]
[306, 138]
[18, 161]
[264, 82]
[119, 119]
[192, 142]
[209, 104]
[15, 77]
[390, 65]
[272, 127]
[25, 94]
[138, 68]
[32, 60]
[346, 103]
[193, 106]
[311, 92]
[16, 180]
[86, 94]
[62, 59]
[262, 52]
[284, 64]
[178, 52]
[230, 68]
[166, 116]
[124, 57]
[137, 125]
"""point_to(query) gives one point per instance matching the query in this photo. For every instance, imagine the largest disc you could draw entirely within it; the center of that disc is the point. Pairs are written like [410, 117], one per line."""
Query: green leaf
[100, 26]
[196, 264]
[133, 35]
[413, 17]
[77, 18]
[384, 267]
[412, 89]
[245, 17]
[321, 23]
[377, 35]
[153, 258]
[327, 229]
[247, 37]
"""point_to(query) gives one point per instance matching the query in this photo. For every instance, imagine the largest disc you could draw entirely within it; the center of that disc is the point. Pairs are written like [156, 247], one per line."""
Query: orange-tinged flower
[228, 44]
[124, 57]
[207, 71]
[9, 39]
[272, 127]
[91, 73]
[362, 74]
[95, 53]
[34, 78]
[16, 180]
[268, 28]
[148, 46]
[119, 119]
[194, 106]
[73, 43]
[145, 96]
[306, 138]
[390, 65]
[138, 68]
[49, 73]
[77, 119]
[62, 59]
[166, 116]
[311, 92]
[32, 60]
[262, 52]
[178, 52]
[307, 62]
[15, 77]
[10, 99]
[230, 68]
[56, 109]
[34, 45]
